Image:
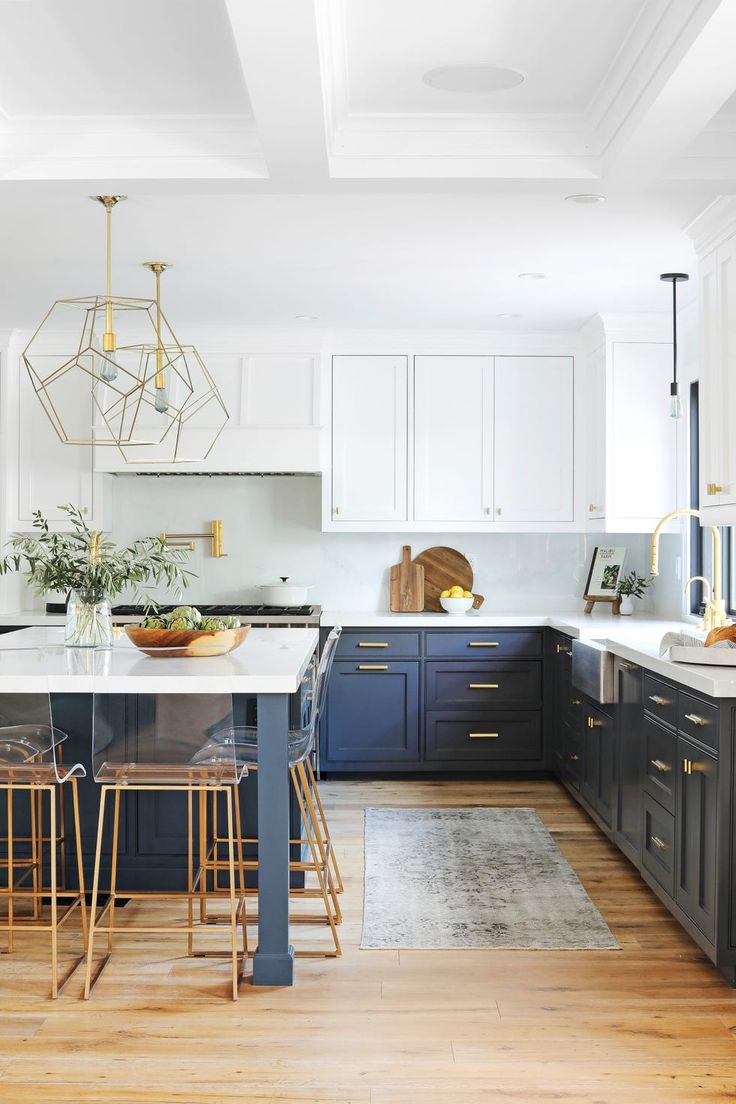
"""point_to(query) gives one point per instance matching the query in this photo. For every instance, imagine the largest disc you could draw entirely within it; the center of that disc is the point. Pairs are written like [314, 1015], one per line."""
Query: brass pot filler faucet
[714, 616]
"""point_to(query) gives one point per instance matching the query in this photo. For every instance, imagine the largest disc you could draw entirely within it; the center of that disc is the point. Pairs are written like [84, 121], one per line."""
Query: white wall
[272, 528]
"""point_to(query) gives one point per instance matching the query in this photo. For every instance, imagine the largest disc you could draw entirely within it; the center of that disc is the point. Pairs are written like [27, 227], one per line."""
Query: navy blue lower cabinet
[371, 718]
[453, 685]
[498, 740]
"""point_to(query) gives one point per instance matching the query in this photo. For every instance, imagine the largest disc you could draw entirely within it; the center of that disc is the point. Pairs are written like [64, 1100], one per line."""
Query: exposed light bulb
[161, 400]
[109, 370]
[675, 401]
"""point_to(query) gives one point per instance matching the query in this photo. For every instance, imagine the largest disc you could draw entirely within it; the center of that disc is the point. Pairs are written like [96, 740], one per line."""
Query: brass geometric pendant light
[110, 385]
[181, 413]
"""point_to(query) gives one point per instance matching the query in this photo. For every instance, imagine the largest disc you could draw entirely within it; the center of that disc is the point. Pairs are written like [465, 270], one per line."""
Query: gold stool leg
[233, 900]
[241, 870]
[204, 865]
[95, 888]
[80, 860]
[54, 903]
[11, 856]
[325, 829]
[319, 866]
[62, 837]
[113, 870]
[36, 851]
[303, 781]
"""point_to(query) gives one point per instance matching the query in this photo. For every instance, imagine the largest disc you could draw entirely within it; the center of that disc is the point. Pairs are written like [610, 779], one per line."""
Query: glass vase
[88, 622]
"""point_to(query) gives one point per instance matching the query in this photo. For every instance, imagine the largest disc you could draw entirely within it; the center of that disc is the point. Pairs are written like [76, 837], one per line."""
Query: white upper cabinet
[273, 402]
[642, 483]
[369, 439]
[714, 235]
[630, 474]
[453, 438]
[42, 472]
[533, 449]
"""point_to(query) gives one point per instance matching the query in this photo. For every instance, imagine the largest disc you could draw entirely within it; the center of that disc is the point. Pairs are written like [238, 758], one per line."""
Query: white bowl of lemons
[456, 600]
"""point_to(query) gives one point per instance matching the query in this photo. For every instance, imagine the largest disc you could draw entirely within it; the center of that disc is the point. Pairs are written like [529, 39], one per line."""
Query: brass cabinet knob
[575, 701]
[689, 767]
[660, 766]
[695, 719]
[574, 758]
[658, 700]
[658, 843]
[592, 722]
[713, 488]
[562, 649]
[593, 509]
[336, 510]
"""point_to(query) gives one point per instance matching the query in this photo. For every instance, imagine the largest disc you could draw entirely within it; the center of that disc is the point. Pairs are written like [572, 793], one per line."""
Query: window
[701, 542]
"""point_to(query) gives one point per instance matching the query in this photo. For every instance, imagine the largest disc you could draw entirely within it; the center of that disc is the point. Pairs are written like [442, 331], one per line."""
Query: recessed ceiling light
[473, 78]
[532, 276]
[508, 314]
[307, 317]
[585, 197]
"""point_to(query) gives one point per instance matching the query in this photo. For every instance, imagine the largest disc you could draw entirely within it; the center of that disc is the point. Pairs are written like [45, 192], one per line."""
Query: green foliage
[634, 585]
[95, 568]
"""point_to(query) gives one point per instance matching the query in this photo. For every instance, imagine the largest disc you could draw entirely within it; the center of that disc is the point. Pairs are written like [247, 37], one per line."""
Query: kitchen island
[268, 669]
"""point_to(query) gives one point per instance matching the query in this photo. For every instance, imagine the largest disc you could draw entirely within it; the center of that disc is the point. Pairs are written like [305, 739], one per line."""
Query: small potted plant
[632, 586]
[91, 571]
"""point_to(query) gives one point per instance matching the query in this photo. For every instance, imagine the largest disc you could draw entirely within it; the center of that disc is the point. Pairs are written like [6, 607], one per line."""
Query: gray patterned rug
[473, 878]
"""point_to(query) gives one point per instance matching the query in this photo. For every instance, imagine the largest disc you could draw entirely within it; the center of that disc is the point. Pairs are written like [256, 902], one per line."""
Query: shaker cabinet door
[695, 869]
[369, 438]
[453, 428]
[533, 438]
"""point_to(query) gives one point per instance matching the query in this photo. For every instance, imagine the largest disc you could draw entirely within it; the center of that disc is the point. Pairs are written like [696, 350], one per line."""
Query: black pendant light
[674, 278]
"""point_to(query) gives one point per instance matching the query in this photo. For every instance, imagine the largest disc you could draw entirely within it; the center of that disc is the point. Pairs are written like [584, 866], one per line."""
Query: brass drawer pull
[695, 719]
[484, 644]
[371, 644]
[373, 666]
[562, 649]
[575, 701]
[660, 766]
[659, 843]
[574, 758]
[484, 735]
[714, 489]
[689, 767]
[482, 686]
[593, 723]
[658, 700]
[629, 666]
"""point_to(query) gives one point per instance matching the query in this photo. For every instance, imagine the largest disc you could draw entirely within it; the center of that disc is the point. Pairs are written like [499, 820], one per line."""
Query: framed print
[606, 571]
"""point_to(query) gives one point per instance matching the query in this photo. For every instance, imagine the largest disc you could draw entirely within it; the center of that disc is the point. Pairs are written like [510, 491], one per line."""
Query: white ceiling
[84, 57]
[564, 48]
[288, 158]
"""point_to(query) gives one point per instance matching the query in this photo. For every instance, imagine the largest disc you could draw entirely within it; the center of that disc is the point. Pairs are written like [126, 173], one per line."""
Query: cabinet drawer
[453, 685]
[660, 771]
[659, 699]
[484, 642]
[484, 737]
[659, 844]
[698, 719]
[369, 642]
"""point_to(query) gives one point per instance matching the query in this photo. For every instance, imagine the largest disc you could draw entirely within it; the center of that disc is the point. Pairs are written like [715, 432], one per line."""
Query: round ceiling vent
[473, 78]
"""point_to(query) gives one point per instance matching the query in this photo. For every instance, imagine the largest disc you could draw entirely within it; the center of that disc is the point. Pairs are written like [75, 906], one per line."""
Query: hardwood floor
[653, 1022]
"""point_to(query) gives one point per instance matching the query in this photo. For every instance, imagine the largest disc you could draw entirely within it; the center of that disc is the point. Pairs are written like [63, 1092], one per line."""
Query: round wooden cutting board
[443, 568]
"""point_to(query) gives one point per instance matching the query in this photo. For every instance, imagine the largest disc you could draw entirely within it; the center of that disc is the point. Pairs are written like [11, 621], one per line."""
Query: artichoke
[189, 613]
[153, 622]
[231, 622]
[179, 623]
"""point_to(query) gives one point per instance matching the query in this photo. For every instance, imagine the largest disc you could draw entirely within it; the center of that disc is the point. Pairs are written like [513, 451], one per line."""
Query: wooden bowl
[186, 642]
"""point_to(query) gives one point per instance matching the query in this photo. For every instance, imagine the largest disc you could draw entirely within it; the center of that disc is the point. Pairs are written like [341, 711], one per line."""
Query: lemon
[467, 594]
[445, 594]
[456, 592]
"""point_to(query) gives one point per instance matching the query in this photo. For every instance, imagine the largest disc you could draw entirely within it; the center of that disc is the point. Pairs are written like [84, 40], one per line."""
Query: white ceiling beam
[278, 48]
[681, 96]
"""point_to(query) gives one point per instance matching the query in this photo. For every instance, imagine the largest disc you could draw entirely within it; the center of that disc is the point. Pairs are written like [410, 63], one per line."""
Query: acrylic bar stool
[31, 764]
[321, 860]
[170, 752]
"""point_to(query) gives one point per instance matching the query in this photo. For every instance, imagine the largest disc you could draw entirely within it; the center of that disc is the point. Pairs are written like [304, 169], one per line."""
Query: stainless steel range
[262, 616]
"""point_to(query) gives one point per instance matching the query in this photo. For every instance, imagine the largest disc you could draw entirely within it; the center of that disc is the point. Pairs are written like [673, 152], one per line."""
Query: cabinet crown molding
[713, 225]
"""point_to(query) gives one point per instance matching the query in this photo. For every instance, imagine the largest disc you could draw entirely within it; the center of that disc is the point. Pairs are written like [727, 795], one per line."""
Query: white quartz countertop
[269, 661]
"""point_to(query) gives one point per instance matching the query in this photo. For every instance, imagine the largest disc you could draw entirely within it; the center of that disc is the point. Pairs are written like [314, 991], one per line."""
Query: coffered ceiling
[425, 203]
